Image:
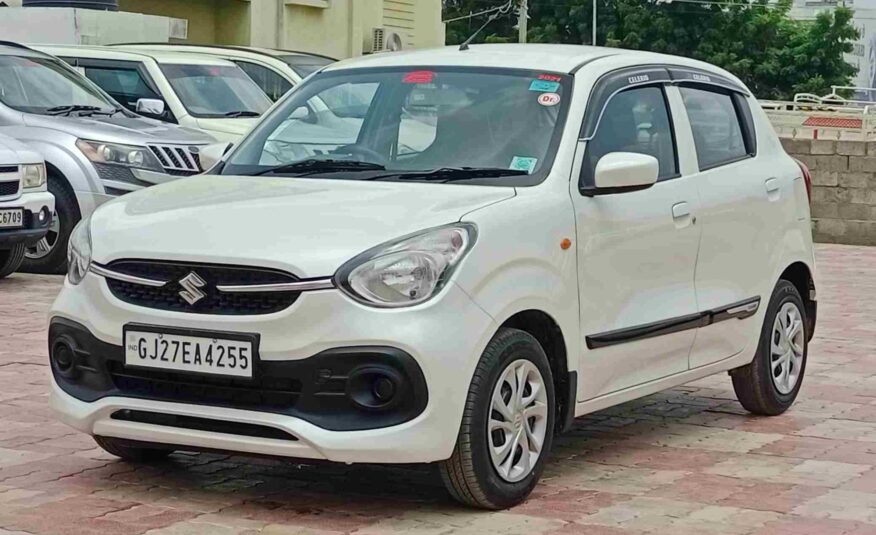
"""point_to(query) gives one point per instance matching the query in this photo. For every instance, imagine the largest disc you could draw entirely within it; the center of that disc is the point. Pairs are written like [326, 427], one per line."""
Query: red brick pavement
[686, 461]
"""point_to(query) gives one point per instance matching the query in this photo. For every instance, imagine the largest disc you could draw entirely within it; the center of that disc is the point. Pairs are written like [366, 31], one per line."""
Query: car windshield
[305, 65]
[214, 91]
[496, 126]
[44, 85]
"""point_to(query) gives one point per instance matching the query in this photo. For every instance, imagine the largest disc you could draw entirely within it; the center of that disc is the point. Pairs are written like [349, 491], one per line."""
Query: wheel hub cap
[787, 345]
[517, 425]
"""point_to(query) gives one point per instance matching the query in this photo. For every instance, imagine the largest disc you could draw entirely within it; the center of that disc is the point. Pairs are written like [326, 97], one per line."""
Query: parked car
[192, 90]
[94, 150]
[26, 206]
[576, 232]
[274, 71]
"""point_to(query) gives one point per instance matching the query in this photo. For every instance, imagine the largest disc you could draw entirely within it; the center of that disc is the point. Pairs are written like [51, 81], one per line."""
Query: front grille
[168, 296]
[8, 189]
[177, 160]
[265, 393]
[202, 424]
[8, 169]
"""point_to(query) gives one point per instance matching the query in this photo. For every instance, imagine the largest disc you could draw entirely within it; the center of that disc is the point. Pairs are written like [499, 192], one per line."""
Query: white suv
[26, 206]
[512, 237]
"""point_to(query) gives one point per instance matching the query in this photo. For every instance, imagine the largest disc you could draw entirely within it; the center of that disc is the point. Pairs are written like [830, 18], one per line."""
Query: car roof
[231, 50]
[545, 57]
[11, 48]
[111, 53]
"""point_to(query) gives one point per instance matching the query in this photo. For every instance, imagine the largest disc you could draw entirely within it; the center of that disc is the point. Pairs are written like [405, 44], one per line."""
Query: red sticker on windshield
[549, 99]
[550, 77]
[419, 77]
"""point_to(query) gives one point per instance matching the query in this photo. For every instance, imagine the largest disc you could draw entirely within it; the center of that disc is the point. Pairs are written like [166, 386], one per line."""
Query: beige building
[337, 28]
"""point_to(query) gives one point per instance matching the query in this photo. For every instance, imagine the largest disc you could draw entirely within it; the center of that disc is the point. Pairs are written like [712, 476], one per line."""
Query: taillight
[807, 178]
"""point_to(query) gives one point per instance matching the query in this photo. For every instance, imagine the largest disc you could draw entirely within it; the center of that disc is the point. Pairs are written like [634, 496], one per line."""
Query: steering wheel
[368, 155]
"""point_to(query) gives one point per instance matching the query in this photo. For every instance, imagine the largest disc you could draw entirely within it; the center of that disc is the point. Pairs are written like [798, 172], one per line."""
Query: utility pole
[522, 20]
[593, 39]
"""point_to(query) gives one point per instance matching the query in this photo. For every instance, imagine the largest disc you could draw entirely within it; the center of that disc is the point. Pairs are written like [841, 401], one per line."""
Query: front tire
[769, 385]
[507, 425]
[10, 260]
[131, 451]
[49, 255]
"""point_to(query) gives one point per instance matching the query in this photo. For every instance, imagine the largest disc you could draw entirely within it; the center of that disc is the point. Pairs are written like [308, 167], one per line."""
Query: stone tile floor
[686, 461]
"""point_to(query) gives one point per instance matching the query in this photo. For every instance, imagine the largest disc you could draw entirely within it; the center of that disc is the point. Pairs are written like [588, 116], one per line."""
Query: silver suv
[94, 149]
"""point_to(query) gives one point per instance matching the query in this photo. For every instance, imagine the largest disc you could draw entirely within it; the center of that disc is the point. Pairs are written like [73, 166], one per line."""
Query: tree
[773, 54]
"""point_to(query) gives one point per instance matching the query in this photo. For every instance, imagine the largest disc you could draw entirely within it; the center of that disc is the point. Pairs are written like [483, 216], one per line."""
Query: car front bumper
[34, 229]
[443, 338]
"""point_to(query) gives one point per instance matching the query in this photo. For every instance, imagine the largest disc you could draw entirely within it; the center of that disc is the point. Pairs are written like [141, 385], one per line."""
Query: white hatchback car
[512, 237]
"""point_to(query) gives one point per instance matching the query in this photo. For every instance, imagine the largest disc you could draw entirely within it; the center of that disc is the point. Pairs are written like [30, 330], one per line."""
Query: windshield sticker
[523, 163]
[419, 77]
[550, 77]
[544, 86]
[549, 99]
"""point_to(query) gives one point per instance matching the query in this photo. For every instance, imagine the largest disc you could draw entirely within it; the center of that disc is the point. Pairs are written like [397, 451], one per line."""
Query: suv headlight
[79, 252]
[33, 176]
[122, 155]
[407, 271]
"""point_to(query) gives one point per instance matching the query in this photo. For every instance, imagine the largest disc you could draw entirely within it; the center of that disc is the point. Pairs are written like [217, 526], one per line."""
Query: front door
[636, 251]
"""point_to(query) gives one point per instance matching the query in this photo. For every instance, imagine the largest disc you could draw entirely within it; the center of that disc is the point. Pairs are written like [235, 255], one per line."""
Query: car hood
[305, 226]
[228, 129]
[121, 129]
[14, 152]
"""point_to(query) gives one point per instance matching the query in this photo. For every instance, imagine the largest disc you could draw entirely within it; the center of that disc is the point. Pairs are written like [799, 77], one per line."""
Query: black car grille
[8, 188]
[177, 160]
[261, 393]
[168, 296]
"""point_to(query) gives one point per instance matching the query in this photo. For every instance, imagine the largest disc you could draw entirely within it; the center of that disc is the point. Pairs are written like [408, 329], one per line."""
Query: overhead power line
[504, 8]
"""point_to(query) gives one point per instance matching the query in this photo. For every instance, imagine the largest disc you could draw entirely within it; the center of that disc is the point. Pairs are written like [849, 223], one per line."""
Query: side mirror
[151, 107]
[212, 154]
[620, 172]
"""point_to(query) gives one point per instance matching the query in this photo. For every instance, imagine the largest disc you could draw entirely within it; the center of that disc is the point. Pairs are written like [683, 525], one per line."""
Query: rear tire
[131, 451]
[10, 260]
[475, 476]
[54, 261]
[769, 385]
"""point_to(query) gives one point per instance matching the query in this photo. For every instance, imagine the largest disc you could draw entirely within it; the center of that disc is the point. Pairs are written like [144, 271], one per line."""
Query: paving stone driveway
[687, 461]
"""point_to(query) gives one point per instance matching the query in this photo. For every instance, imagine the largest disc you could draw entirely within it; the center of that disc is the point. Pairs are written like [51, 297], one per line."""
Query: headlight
[33, 175]
[79, 252]
[407, 271]
[115, 154]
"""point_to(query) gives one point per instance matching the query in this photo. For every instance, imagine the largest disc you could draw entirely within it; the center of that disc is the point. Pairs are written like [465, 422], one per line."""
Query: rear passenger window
[721, 125]
[635, 120]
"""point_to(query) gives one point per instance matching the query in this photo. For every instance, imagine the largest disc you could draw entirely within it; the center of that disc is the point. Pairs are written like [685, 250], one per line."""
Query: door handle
[772, 186]
[680, 210]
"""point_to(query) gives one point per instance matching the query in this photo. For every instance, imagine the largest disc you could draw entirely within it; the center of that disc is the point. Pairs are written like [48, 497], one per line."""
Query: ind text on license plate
[199, 354]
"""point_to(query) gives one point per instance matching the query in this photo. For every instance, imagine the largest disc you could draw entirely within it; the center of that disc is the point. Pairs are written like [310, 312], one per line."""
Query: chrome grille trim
[101, 271]
[303, 286]
[176, 158]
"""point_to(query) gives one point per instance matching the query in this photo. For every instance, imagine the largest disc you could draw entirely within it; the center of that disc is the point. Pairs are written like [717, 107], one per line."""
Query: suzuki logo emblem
[191, 288]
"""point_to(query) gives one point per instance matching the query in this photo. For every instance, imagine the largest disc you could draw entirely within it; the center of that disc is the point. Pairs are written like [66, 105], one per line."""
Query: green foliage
[773, 54]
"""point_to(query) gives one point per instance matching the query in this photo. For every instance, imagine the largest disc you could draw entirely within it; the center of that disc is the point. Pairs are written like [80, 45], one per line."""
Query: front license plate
[11, 218]
[194, 354]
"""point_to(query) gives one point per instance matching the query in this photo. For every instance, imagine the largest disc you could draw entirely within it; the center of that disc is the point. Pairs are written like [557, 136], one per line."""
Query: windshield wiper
[312, 166]
[452, 174]
[67, 110]
[244, 113]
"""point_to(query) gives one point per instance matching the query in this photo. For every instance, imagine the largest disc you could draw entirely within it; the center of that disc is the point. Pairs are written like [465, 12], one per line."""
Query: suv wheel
[49, 255]
[131, 451]
[507, 426]
[10, 260]
[771, 382]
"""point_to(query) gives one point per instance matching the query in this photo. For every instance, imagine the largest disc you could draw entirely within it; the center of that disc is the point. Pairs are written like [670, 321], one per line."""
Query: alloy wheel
[517, 425]
[42, 248]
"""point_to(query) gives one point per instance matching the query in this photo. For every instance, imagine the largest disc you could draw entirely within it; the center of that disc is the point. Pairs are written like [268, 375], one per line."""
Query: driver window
[332, 118]
[635, 120]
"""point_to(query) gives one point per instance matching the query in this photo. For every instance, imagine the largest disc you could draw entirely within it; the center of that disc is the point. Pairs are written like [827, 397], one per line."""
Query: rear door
[738, 216]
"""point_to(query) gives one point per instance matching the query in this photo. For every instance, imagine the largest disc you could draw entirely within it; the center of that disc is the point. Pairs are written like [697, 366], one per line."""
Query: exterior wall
[844, 188]
[79, 26]
[210, 21]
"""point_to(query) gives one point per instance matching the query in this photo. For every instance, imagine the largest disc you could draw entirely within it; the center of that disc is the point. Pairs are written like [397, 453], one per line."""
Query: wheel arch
[800, 275]
[544, 328]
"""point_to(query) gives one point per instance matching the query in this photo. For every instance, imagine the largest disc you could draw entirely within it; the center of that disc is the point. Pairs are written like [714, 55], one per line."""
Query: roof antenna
[499, 11]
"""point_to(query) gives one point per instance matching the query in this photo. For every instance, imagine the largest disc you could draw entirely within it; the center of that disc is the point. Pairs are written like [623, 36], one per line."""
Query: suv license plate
[11, 218]
[215, 356]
